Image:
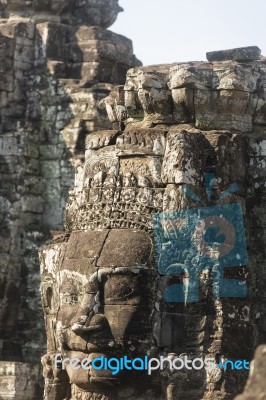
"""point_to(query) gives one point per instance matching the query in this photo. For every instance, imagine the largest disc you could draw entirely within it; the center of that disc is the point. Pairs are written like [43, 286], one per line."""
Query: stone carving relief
[102, 291]
[58, 61]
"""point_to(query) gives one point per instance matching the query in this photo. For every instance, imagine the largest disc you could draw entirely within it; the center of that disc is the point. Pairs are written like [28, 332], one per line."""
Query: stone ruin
[102, 291]
[57, 61]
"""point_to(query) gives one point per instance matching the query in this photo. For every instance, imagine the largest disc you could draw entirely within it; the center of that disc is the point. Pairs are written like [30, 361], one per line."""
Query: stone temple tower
[164, 247]
[57, 61]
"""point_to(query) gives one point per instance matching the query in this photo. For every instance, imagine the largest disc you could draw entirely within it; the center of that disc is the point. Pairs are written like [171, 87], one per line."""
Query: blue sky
[166, 31]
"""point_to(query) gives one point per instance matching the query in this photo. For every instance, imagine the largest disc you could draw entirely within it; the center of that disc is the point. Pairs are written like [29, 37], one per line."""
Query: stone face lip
[238, 54]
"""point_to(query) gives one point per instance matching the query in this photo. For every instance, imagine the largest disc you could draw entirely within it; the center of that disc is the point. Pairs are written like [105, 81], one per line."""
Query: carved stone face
[111, 298]
[109, 293]
[105, 298]
[89, 12]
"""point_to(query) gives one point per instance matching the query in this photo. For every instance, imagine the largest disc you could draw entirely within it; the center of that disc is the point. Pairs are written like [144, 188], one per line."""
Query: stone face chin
[75, 12]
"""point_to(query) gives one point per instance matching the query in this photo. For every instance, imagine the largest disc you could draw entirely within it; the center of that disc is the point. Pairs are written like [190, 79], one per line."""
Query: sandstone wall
[57, 61]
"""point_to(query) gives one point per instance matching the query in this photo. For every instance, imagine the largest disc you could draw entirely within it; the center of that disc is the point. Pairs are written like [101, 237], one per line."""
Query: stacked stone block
[57, 61]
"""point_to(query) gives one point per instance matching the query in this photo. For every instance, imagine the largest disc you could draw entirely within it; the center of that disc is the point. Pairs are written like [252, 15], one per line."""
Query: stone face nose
[96, 326]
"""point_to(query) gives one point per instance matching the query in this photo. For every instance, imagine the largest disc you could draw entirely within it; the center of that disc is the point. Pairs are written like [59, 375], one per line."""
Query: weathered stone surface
[57, 62]
[102, 12]
[17, 380]
[135, 246]
[142, 142]
[119, 281]
[226, 94]
[238, 54]
[174, 126]
[225, 109]
[102, 293]
[101, 139]
[181, 162]
[193, 75]
[256, 387]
